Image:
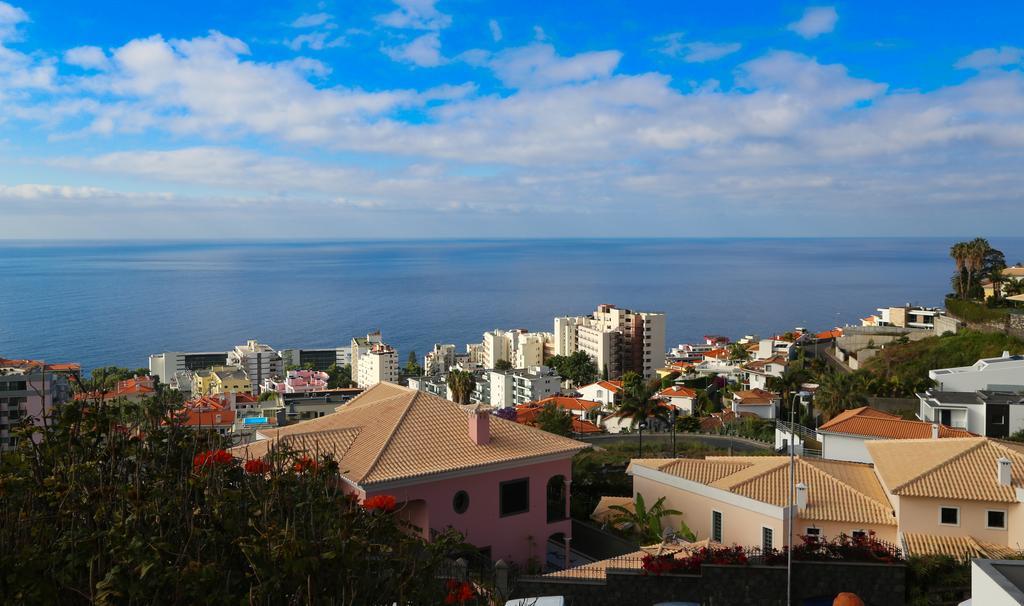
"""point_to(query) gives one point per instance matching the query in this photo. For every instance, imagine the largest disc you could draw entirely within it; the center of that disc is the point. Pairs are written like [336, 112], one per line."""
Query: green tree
[638, 402]
[579, 368]
[461, 383]
[339, 376]
[839, 391]
[412, 366]
[555, 420]
[268, 395]
[502, 365]
[738, 352]
[669, 380]
[643, 522]
[788, 383]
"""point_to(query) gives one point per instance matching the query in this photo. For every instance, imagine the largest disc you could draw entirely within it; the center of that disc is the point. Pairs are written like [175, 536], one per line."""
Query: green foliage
[555, 420]
[412, 366]
[339, 376]
[669, 380]
[502, 365]
[688, 423]
[752, 428]
[579, 368]
[1017, 436]
[268, 395]
[738, 352]
[839, 391]
[105, 378]
[638, 403]
[641, 521]
[969, 311]
[111, 506]
[937, 580]
[461, 383]
[975, 260]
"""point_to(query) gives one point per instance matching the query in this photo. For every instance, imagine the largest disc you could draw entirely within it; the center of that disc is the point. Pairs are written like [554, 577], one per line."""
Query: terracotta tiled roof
[719, 419]
[835, 333]
[629, 561]
[758, 365]
[865, 421]
[609, 385]
[208, 418]
[1013, 272]
[526, 414]
[954, 468]
[603, 512]
[962, 547]
[837, 491]
[754, 397]
[567, 403]
[678, 391]
[391, 432]
[717, 354]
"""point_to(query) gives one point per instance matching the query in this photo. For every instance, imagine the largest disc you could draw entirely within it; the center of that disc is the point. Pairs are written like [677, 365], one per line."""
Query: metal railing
[795, 428]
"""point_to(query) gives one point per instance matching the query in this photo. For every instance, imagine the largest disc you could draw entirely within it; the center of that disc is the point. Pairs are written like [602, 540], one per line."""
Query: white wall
[843, 448]
[985, 591]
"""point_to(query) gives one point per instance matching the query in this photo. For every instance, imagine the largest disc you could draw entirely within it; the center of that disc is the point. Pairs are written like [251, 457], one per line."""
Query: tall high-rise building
[439, 360]
[378, 363]
[619, 340]
[259, 360]
[519, 347]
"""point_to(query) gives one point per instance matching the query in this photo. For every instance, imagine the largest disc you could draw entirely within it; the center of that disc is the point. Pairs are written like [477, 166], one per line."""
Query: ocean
[115, 303]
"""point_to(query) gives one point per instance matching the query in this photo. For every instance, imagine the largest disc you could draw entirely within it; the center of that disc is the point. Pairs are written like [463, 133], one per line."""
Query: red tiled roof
[567, 403]
[866, 421]
[835, 333]
[136, 386]
[208, 418]
[527, 415]
[754, 397]
[678, 391]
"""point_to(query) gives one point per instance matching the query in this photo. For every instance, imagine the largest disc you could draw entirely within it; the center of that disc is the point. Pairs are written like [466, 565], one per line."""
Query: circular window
[461, 502]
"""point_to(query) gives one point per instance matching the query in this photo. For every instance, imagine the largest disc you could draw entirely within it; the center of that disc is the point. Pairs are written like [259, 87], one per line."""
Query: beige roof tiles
[954, 468]
[962, 547]
[391, 432]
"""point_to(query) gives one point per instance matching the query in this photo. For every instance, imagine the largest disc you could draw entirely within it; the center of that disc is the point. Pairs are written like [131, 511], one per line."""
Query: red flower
[256, 467]
[306, 464]
[211, 458]
[458, 593]
[382, 502]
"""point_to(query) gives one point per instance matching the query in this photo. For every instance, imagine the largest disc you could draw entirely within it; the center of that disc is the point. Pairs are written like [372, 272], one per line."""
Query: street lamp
[642, 425]
[672, 420]
[792, 493]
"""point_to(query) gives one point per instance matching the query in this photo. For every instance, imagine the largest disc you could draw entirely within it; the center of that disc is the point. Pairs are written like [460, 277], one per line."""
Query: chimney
[479, 424]
[801, 496]
[935, 431]
[1003, 469]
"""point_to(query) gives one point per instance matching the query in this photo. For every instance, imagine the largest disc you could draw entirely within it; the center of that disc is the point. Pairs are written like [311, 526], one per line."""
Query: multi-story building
[619, 340]
[439, 360]
[996, 414]
[608, 393]
[30, 389]
[515, 387]
[165, 366]
[259, 360]
[504, 486]
[757, 373]
[298, 381]
[907, 316]
[361, 345]
[519, 347]
[318, 359]
[1005, 373]
[220, 380]
[378, 363]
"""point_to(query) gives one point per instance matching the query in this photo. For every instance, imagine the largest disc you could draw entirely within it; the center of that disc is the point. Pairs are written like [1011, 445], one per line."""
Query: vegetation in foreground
[114, 505]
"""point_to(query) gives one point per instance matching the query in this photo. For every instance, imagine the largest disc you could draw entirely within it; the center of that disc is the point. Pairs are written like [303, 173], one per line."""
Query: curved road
[723, 442]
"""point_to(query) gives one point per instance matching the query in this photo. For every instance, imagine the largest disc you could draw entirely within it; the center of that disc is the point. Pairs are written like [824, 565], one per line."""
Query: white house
[843, 438]
[996, 583]
[1005, 373]
[763, 403]
[605, 392]
[996, 414]
[684, 399]
[757, 373]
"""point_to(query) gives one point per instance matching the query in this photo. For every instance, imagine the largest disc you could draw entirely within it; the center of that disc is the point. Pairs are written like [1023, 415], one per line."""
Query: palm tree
[738, 352]
[959, 254]
[461, 383]
[638, 403]
[646, 523]
[975, 260]
[789, 382]
[838, 392]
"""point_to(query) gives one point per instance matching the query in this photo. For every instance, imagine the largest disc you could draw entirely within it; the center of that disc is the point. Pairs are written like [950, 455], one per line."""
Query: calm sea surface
[116, 303]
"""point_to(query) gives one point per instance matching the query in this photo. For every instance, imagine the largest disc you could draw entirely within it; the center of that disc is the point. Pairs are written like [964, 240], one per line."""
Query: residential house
[1005, 373]
[220, 380]
[998, 289]
[907, 316]
[757, 372]
[259, 361]
[504, 485]
[844, 437]
[526, 414]
[30, 389]
[577, 407]
[764, 404]
[608, 393]
[718, 420]
[218, 412]
[619, 340]
[129, 390]
[683, 399]
[996, 582]
[694, 352]
[298, 381]
[996, 414]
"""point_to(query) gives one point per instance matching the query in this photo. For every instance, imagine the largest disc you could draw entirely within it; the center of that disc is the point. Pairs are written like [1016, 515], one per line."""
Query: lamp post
[792, 494]
[641, 426]
[672, 420]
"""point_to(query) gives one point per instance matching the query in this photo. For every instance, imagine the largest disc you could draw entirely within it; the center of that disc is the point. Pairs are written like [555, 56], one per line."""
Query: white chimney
[1006, 354]
[801, 496]
[935, 431]
[1003, 470]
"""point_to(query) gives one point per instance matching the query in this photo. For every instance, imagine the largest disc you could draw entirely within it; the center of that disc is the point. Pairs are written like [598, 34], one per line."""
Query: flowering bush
[257, 467]
[691, 563]
[861, 548]
[305, 464]
[458, 592]
[509, 413]
[211, 458]
[382, 502]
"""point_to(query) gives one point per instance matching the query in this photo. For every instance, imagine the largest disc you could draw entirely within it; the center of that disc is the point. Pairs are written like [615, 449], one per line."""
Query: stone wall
[1012, 325]
[876, 584]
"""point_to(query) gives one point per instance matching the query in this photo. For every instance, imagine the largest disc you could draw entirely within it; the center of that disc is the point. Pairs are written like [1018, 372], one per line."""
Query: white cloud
[817, 20]
[992, 57]
[495, 30]
[87, 57]
[315, 41]
[424, 51]
[539, 34]
[695, 52]
[311, 20]
[10, 17]
[416, 14]
[538, 65]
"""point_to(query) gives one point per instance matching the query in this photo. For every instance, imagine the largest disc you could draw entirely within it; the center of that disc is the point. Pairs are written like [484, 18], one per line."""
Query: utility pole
[792, 499]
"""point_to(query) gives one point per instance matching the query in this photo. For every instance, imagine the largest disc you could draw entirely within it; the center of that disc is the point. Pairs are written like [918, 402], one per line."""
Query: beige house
[764, 404]
[220, 380]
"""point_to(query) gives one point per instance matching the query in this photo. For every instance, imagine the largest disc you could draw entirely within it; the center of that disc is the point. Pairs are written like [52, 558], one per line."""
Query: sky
[480, 119]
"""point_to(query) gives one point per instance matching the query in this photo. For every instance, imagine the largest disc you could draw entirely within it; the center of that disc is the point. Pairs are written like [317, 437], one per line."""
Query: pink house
[505, 486]
[30, 388]
[298, 381]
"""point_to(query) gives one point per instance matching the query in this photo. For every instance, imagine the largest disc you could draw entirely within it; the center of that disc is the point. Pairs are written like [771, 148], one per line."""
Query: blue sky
[419, 118]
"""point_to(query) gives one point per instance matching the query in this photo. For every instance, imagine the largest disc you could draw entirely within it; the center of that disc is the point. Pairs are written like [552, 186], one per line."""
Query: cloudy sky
[474, 118]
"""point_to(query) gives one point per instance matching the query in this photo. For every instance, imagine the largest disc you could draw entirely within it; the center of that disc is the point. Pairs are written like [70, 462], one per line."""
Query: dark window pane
[515, 497]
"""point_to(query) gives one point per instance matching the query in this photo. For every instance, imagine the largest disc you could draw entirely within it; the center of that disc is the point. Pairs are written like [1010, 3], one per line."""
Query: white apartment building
[379, 363]
[361, 345]
[1005, 373]
[516, 387]
[520, 347]
[619, 340]
[439, 359]
[164, 366]
[259, 360]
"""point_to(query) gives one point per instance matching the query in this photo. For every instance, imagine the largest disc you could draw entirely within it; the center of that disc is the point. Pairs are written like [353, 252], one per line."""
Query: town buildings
[297, 381]
[907, 316]
[439, 360]
[608, 393]
[259, 361]
[165, 366]
[997, 414]
[504, 485]
[129, 390]
[30, 389]
[756, 373]
[764, 404]
[519, 347]
[619, 340]
[683, 399]
[220, 380]
[317, 359]
[1005, 373]
[844, 436]
[378, 363]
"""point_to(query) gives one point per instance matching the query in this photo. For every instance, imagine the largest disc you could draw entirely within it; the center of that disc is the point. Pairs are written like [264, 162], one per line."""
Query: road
[723, 442]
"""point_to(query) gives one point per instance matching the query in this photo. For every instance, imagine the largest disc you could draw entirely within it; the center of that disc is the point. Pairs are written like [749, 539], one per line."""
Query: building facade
[259, 360]
[1005, 373]
[30, 389]
[378, 363]
[165, 366]
[619, 340]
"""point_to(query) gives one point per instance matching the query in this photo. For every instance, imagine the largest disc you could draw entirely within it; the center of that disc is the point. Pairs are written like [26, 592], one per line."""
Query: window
[716, 526]
[949, 516]
[859, 534]
[766, 538]
[514, 497]
[946, 416]
[813, 532]
[460, 503]
[995, 518]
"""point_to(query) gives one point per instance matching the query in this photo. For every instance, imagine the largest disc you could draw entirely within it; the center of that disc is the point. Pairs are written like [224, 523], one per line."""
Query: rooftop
[567, 403]
[963, 547]
[866, 421]
[678, 391]
[754, 397]
[391, 433]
